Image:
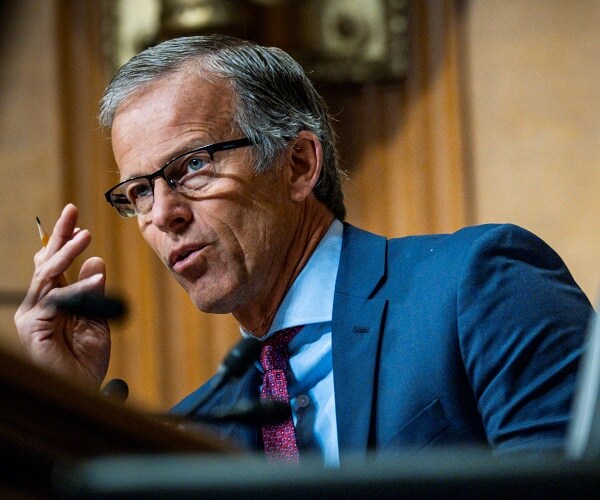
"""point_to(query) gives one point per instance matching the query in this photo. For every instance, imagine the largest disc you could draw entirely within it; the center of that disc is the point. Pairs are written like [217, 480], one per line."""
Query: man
[448, 339]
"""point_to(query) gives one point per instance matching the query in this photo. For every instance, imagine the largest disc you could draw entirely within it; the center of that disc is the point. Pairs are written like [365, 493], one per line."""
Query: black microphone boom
[259, 412]
[234, 365]
[91, 305]
[256, 413]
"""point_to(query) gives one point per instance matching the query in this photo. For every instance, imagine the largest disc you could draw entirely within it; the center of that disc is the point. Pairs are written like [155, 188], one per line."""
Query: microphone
[260, 412]
[235, 364]
[116, 390]
[91, 305]
[255, 413]
[239, 359]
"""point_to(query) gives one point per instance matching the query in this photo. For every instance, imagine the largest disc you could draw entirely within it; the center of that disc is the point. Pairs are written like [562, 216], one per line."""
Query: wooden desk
[44, 418]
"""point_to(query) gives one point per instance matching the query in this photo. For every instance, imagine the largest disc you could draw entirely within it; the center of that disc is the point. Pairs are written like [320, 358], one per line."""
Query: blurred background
[449, 113]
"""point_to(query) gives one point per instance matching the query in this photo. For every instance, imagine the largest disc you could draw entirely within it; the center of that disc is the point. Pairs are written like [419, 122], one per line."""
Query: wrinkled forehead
[211, 99]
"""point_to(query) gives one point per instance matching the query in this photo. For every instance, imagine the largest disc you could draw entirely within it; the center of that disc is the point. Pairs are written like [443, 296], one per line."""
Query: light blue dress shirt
[309, 302]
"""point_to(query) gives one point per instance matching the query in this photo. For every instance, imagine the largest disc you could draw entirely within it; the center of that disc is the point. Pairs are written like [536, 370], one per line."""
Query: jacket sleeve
[521, 321]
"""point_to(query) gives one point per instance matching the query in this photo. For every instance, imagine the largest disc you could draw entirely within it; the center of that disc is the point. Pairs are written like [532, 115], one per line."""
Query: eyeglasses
[187, 173]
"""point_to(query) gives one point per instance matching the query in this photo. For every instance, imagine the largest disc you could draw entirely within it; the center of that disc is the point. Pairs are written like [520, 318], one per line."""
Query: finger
[48, 271]
[63, 259]
[63, 229]
[44, 254]
[90, 284]
[94, 265]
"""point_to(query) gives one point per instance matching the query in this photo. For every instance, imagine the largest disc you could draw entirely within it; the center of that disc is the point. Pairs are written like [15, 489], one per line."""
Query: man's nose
[170, 211]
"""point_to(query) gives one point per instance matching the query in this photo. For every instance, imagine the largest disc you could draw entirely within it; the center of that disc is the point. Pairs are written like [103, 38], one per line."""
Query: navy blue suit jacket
[446, 339]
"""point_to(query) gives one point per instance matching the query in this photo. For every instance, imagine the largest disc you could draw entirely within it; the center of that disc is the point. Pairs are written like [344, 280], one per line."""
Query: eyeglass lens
[187, 174]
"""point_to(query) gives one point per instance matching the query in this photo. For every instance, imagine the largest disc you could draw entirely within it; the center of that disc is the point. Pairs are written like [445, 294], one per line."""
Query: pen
[62, 281]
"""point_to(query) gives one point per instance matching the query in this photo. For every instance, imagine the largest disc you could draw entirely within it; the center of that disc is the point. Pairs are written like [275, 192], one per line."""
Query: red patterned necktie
[279, 439]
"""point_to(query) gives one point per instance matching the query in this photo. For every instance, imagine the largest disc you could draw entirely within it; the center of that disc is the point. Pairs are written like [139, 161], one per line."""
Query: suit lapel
[357, 324]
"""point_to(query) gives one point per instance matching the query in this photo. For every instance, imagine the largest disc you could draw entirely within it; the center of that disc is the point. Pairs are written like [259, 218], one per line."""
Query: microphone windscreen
[241, 357]
[116, 390]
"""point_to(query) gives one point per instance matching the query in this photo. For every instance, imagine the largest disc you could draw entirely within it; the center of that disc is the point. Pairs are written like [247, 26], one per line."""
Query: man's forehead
[182, 95]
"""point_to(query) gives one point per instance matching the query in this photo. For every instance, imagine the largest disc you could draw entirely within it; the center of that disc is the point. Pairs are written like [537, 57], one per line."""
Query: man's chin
[211, 295]
[213, 303]
[212, 308]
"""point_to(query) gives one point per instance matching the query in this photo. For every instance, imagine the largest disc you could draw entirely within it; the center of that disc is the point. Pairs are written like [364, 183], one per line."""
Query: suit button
[303, 401]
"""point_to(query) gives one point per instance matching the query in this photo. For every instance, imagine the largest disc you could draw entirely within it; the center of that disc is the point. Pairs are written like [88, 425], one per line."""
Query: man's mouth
[179, 257]
[184, 255]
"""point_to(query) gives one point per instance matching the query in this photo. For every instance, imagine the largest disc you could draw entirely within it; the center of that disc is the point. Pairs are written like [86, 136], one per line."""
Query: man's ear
[305, 164]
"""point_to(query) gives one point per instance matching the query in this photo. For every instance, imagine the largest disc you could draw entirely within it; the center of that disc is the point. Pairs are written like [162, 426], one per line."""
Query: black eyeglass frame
[211, 149]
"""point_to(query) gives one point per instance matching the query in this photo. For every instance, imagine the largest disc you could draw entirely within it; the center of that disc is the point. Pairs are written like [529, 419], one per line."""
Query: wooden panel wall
[30, 164]
[401, 143]
[535, 100]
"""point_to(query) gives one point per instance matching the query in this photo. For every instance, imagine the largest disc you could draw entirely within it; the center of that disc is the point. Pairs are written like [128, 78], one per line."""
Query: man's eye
[190, 172]
[140, 190]
[196, 163]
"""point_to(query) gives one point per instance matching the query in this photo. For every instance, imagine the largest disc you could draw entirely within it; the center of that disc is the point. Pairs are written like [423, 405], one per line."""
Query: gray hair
[275, 98]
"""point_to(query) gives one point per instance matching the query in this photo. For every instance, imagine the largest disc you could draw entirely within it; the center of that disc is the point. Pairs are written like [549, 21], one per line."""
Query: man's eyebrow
[190, 146]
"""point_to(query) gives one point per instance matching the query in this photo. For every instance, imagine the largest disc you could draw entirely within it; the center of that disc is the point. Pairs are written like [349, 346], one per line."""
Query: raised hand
[75, 347]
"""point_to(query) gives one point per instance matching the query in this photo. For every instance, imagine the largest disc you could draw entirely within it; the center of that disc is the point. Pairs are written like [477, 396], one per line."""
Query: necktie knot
[274, 351]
